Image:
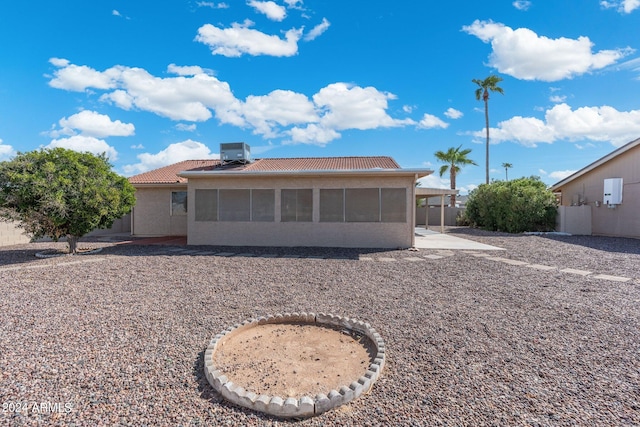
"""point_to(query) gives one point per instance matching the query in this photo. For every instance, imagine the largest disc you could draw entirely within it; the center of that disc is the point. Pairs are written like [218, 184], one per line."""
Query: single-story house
[604, 197]
[327, 201]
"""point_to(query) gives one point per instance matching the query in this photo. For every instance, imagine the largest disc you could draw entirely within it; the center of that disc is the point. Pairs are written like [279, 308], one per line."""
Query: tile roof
[322, 163]
[168, 174]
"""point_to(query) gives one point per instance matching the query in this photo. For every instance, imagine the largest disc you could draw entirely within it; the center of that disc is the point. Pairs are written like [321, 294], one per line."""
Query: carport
[422, 193]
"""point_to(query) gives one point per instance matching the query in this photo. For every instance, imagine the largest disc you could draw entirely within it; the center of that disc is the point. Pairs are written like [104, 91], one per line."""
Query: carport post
[442, 213]
[426, 215]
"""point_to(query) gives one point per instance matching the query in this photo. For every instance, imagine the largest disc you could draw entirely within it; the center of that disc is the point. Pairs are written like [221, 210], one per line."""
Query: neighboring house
[604, 197]
[327, 201]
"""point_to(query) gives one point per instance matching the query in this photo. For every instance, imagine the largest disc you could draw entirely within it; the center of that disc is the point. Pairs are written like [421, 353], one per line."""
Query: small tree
[523, 204]
[454, 159]
[62, 193]
[506, 167]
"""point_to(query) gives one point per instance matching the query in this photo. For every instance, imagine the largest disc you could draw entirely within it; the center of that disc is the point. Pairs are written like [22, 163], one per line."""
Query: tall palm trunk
[482, 92]
[452, 200]
[486, 118]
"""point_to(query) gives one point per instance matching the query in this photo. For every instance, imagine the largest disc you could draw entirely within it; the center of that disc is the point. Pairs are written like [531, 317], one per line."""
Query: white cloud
[273, 11]
[137, 147]
[408, 108]
[583, 146]
[185, 127]
[179, 98]
[594, 123]
[278, 108]
[453, 114]
[212, 5]
[562, 123]
[523, 54]
[629, 6]
[353, 107]
[91, 123]
[190, 96]
[294, 4]
[522, 4]
[185, 70]
[194, 94]
[78, 78]
[115, 12]
[185, 150]
[6, 151]
[527, 131]
[434, 181]
[430, 121]
[83, 143]
[317, 30]
[560, 175]
[240, 39]
[341, 106]
[557, 99]
[312, 134]
[622, 6]
[633, 65]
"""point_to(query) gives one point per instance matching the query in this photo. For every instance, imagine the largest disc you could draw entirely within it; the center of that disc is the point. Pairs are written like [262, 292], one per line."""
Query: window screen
[393, 205]
[331, 205]
[178, 203]
[262, 205]
[234, 205]
[362, 204]
[296, 205]
[206, 205]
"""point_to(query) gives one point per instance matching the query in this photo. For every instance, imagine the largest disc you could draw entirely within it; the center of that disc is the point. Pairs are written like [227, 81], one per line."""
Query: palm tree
[486, 85]
[506, 167]
[454, 159]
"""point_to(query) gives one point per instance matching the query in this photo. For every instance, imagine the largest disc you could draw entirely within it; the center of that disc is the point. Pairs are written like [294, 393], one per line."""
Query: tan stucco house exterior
[327, 201]
[604, 197]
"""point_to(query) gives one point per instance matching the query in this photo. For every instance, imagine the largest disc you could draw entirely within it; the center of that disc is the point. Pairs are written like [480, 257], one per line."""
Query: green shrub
[515, 206]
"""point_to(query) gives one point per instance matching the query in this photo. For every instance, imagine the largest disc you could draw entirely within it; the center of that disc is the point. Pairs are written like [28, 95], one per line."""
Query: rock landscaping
[120, 338]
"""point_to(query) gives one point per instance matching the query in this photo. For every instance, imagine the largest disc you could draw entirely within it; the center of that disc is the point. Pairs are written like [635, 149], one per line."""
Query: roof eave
[159, 184]
[595, 164]
[331, 172]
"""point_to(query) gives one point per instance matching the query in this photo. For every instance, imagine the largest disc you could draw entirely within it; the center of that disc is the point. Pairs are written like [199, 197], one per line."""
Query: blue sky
[154, 83]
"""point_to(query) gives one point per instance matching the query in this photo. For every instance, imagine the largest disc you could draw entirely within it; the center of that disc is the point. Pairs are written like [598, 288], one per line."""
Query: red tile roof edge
[169, 174]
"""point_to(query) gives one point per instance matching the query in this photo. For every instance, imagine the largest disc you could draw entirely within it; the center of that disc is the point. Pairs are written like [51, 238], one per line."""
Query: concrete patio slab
[427, 239]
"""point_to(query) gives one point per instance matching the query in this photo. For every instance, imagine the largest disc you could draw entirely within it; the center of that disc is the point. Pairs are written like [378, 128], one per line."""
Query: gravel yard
[118, 337]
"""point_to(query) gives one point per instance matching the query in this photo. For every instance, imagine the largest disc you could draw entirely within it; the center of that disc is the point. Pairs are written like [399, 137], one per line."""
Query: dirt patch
[293, 360]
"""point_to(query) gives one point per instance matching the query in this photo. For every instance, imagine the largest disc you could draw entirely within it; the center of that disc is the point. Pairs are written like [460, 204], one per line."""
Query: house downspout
[413, 211]
[442, 214]
[133, 215]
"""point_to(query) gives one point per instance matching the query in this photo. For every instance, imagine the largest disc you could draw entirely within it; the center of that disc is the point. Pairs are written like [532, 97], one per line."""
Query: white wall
[12, 235]
[315, 233]
[574, 220]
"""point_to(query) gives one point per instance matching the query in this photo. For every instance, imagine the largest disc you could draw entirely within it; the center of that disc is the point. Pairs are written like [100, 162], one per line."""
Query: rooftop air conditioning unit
[235, 152]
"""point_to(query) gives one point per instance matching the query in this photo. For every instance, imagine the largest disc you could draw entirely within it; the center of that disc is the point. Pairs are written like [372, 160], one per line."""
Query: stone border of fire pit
[304, 406]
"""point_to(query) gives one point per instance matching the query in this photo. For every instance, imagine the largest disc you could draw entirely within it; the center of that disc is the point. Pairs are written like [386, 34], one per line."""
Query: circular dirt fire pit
[295, 365]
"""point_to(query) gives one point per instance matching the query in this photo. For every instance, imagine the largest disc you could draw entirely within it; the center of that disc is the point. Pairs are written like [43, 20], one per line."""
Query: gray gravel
[119, 336]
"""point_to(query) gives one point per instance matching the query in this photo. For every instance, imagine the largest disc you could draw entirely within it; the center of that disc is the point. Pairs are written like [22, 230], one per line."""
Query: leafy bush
[515, 206]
